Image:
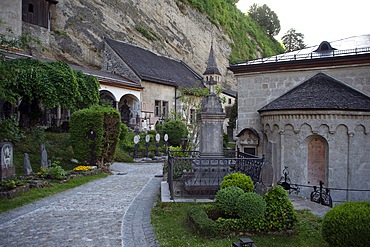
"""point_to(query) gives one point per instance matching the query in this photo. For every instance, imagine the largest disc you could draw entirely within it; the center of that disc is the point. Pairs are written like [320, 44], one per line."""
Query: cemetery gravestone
[7, 167]
[91, 134]
[27, 169]
[266, 179]
[267, 174]
[44, 157]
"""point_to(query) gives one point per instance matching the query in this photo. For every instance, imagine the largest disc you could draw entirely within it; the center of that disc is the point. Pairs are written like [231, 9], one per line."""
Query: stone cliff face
[77, 29]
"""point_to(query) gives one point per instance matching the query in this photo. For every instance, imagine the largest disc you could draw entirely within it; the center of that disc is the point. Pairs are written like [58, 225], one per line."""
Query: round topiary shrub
[347, 224]
[251, 206]
[226, 200]
[239, 180]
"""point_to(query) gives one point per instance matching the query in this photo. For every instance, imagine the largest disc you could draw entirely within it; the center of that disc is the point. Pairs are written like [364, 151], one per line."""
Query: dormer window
[324, 47]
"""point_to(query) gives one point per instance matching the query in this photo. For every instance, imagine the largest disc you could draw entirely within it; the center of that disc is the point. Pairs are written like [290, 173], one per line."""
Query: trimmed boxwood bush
[348, 224]
[250, 206]
[239, 180]
[200, 219]
[227, 198]
[105, 122]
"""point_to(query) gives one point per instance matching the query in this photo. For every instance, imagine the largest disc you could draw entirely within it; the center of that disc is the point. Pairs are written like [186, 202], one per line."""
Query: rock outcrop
[77, 29]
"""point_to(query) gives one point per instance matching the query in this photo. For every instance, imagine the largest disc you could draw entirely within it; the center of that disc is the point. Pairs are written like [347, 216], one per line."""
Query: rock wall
[78, 27]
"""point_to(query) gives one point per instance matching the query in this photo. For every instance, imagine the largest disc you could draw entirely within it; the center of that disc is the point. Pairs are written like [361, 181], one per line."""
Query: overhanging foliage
[53, 83]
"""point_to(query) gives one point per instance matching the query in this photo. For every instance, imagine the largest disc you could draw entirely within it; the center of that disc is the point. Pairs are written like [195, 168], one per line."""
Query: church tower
[212, 73]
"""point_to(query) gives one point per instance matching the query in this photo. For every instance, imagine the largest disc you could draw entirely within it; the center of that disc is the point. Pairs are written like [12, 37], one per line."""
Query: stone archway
[316, 161]
[129, 108]
[108, 97]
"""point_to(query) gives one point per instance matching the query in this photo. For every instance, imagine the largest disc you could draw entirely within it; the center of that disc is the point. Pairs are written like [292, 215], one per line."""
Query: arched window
[30, 7]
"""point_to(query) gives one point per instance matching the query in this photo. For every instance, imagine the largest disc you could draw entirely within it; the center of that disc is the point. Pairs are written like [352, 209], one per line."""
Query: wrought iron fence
[319, 194]
[190, 175]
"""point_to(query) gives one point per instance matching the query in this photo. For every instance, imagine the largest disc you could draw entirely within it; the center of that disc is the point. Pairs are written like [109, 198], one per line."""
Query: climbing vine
[51, 83]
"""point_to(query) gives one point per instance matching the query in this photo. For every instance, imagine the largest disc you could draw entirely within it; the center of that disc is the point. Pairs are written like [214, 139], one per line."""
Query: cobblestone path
[90, 215]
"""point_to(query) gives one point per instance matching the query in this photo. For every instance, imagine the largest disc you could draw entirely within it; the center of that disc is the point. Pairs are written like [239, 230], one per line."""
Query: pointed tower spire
[212, 74]
[212, 68]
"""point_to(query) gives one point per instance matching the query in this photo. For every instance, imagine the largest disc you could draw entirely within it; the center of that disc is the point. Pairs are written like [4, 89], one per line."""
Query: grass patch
[172, 228]
[33, 195]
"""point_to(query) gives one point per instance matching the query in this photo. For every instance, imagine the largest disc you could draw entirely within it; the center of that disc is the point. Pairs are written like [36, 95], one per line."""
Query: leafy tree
[265, 17]
[191, 103]
[293, 41]
[50, 83]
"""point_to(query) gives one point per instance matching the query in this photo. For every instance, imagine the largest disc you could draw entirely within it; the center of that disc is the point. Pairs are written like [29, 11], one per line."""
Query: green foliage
[121, 154]
[280, 212]
[200, 219]
[176, 130]
[293, 41]
[8, 184]
[9, 129]
[53, 83]
[240, 180]
[225, 140]
[226, 200]
[250, 206]
[56, 171]
[265, 17]
[37, 136]
[10, 41]
[246, 34]
[105, 122]
[124, 132]
[151, 35]
[347, 224]
[233, 114]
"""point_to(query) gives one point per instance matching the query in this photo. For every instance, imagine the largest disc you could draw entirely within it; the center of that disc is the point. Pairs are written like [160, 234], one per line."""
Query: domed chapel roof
[321, 92]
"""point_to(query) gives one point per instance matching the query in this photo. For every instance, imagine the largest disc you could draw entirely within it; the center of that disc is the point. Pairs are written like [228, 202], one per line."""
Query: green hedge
[227, 198]
[348, 224]
[200, 219]
[105, 122]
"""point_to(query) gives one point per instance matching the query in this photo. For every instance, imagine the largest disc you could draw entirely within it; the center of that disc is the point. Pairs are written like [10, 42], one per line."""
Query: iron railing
[190, 175]
[294, 57]
[319, 194]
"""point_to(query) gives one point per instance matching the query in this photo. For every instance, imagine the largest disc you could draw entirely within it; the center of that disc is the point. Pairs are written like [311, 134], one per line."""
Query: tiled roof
[321, 92]
[212, 64]
[102, 76]
[229, 92]
[155, 68]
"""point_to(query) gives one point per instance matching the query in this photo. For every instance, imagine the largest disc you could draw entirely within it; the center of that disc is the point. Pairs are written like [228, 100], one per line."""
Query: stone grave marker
[44, 157]
[27, 169]
[267, 174]
[7, 167]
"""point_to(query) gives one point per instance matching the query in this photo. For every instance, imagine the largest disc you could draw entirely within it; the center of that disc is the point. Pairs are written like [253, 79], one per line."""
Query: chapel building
[309, 110]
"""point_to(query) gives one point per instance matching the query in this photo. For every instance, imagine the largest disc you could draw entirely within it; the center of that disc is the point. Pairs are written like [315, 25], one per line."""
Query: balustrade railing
[190, 175]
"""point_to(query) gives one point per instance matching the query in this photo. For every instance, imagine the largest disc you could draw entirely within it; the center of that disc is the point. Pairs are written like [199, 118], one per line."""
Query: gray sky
[318, 20]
